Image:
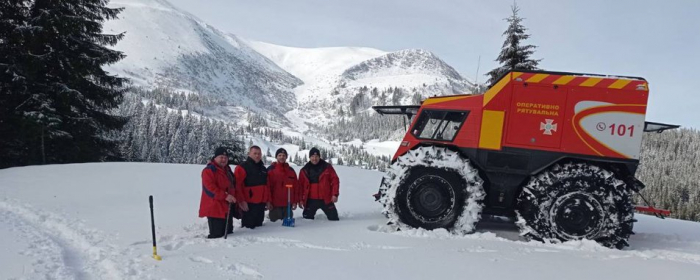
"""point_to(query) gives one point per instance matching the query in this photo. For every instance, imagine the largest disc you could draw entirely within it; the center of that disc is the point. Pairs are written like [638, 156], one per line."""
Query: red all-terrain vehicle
[555, 152]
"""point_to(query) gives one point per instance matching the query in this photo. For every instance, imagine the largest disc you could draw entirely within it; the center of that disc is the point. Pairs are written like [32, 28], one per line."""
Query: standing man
[217, 194]
[280, 175]
[253, 190]
[320, 186]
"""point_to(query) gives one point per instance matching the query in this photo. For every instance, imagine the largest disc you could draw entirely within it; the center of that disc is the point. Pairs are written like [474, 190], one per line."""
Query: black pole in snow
[153, 229]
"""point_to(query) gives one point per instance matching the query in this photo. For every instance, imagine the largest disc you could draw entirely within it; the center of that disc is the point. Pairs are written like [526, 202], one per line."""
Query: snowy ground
[91, 221]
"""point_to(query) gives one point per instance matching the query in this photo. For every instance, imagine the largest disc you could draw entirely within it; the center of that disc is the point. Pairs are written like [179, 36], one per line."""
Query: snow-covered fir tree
[55, 95]
[16, 129]
[514, 53]
[156, 133]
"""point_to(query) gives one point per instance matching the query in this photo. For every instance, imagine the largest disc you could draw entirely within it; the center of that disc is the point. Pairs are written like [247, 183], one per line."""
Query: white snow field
[91, 221]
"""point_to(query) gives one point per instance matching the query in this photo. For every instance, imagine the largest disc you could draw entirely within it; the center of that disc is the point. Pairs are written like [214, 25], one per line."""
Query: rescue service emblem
[548, 126]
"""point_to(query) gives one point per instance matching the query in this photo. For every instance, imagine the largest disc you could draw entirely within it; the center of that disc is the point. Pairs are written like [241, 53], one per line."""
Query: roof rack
[565, 74]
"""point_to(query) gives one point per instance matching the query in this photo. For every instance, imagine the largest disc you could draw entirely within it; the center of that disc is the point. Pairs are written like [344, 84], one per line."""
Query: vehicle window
[439, 125]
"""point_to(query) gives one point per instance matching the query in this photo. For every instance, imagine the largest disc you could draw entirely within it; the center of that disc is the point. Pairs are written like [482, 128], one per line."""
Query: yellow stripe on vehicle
[495, 89]
[563, 80]
[590, 82]
[442, 99]
[537, 78]
[619, 84]
[491, 129]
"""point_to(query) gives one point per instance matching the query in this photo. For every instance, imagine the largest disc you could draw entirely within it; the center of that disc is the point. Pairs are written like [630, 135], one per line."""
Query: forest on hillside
[670, 169]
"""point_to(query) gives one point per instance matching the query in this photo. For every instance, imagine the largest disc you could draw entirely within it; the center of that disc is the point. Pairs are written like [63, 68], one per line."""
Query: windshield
[439, 125]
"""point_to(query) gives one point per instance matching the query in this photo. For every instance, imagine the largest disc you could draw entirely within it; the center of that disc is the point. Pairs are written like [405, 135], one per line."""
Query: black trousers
[217, 225]
[279, 213]
[312, 205]
[254, 216]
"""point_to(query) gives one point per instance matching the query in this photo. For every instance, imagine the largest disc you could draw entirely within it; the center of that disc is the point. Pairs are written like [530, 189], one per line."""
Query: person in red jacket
[320, 186]
[252, 189]
[280, 175]
[217, 194]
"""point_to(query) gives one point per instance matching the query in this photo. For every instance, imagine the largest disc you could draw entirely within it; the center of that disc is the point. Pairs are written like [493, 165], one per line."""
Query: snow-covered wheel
[433, 187]
[576, 201]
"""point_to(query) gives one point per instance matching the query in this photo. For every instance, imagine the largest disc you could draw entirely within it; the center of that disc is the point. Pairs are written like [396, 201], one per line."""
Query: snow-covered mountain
[314, 65]
[310, 93]
[167, 47]
[420, 66]
[334, 77]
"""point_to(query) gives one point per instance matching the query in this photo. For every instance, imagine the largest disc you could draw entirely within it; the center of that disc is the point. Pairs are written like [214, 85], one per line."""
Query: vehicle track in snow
[64, 249]
[51, 258]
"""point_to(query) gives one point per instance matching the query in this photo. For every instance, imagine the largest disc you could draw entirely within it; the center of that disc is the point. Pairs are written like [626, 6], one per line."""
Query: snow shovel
[288, 221]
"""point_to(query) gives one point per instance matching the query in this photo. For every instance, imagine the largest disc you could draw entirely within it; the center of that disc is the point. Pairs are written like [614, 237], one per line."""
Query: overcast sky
[657, 40]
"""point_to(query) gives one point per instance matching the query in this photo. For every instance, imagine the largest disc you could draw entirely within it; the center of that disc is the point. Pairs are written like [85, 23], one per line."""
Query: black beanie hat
[219, 151]
[314, 151]
[281, 151]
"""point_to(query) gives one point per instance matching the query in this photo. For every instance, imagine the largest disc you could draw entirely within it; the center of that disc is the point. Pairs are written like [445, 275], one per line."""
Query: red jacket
[217, 183]
[251, 182]
[319, 182]
[279, 176]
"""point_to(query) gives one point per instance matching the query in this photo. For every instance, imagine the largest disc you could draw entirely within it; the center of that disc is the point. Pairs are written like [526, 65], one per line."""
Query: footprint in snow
[310, 246]
[166, 238]
[199, 259]
[243, 270]
[478, 249]
[174, 246]
[363, 246]
[373, 228]
[141, 242]
[383, 228]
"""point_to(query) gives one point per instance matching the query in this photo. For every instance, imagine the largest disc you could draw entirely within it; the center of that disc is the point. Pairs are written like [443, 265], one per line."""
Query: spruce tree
[59, 98]
[236, 148]
[514, 54]
[15, 128]
[177, 143]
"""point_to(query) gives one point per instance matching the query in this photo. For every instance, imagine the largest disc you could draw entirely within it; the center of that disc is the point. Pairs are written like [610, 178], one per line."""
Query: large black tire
[431, 188]
[576, 201]
[430, 198]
